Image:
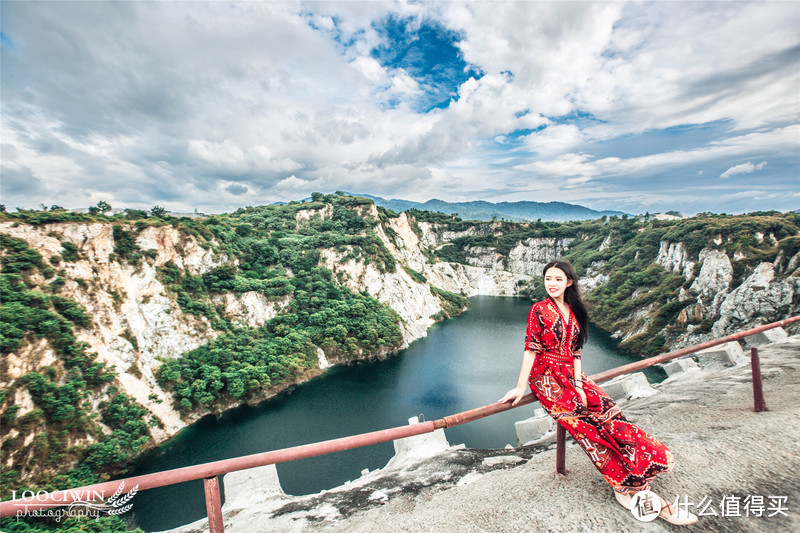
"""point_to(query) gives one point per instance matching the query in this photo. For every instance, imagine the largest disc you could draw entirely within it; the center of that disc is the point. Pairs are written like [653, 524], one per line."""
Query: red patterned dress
[627, 457]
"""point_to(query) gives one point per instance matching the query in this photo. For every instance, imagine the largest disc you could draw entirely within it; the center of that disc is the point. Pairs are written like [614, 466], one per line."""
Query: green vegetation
[125, 245]
[434, 217]
[631, 247]
[62, 392]
[105, 524]
[70, 251]
[416, 276]
[277, 251]
[452, 304]
[246, 362]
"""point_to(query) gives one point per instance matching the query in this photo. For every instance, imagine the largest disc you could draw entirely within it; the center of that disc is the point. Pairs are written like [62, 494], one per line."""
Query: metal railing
[209, 472]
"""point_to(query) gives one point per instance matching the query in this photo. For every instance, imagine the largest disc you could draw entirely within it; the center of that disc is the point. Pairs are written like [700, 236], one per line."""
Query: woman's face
[556, 282]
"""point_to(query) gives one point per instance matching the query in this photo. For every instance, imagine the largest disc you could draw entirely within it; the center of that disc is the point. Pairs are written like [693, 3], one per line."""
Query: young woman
[627, 457]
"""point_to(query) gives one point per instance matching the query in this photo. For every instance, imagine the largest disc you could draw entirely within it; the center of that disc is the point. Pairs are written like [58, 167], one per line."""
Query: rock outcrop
[412, 299]
[673, 257]
[761, 294]
[137, 323]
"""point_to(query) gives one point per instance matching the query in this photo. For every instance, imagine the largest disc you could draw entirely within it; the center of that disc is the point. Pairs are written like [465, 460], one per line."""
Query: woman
[627, 457]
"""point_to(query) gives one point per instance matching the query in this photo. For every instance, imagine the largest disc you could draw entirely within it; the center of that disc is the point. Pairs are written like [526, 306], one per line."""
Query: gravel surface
[721, 446]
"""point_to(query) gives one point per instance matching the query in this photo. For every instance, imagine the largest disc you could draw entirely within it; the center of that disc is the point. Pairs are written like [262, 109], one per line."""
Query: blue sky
[634, 106]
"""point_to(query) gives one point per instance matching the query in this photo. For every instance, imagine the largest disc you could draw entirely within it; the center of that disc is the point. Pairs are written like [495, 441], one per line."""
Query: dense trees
[625, 250]
[272, 242]
[62, 393]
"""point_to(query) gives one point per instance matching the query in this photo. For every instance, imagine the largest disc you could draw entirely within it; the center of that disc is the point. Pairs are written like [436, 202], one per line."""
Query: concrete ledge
[533, 428]
[771, 336]
[251, 487]
[678, 366]
[417, 448]
[722, 356]
[628, 386]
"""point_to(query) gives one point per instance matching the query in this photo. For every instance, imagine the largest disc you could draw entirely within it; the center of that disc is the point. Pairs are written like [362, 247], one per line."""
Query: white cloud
[161, 104]
[575, 183]
[554, 139]
[294, 183]
[582, 165]
[744, 168]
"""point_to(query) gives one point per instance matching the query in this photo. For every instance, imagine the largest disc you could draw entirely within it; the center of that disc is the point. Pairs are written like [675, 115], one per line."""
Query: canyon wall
[136, 322]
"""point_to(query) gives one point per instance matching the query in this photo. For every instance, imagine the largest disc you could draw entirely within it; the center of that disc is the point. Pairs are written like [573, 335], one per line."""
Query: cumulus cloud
[555, 139]
[744, 168]
[156, 103]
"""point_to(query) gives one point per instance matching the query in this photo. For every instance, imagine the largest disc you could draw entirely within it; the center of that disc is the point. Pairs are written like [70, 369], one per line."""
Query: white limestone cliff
[673, 257]
[761, 294]
[135, 321]
[411, 300]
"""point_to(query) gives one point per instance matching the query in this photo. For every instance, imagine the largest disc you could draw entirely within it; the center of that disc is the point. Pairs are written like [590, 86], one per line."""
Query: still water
[463, 363]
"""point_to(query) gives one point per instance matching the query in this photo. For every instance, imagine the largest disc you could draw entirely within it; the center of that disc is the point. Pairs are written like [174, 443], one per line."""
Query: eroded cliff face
[412, 299]
[136, 322]
[761, 295]
[722, 302]
[767, 292]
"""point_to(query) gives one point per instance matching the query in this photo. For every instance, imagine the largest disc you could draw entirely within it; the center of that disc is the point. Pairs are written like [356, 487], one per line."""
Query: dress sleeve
[576, 354]
[533, 334]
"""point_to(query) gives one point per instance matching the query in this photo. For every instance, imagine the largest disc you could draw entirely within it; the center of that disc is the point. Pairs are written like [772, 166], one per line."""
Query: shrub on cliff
[62, 393]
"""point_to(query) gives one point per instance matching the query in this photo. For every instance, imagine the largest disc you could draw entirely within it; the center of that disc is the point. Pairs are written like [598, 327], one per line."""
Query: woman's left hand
[582, 394]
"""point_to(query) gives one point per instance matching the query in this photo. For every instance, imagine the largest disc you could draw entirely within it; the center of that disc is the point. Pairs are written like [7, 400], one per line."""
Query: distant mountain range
[481, 210]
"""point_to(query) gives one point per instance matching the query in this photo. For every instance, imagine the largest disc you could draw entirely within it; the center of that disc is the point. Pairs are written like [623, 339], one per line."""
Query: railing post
[560, 451]
[213, 504]
[758, 393]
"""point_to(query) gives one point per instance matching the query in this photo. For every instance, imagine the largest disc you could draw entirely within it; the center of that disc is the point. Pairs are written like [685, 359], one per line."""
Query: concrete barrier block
[615, 387]
[533, 428]
[245, 488]
[770, 336]
[413, 449]
[628, 386]
[638, 386]
[678, 366]
[724, 355]
[425, 445]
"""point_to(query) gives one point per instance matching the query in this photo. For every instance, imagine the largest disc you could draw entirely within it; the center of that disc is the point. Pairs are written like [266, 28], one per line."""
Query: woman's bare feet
[625, 500]
[679, 517]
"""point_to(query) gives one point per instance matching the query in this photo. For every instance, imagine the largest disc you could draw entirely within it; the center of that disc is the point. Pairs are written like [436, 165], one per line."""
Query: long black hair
[572, 295]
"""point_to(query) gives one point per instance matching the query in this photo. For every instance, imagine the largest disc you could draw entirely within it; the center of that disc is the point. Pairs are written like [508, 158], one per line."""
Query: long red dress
[627, 457]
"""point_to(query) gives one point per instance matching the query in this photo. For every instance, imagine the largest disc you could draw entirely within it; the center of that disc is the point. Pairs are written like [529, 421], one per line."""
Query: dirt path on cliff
[722, 448]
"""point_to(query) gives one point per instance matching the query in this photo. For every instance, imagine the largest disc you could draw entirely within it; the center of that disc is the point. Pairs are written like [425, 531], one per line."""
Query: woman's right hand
[514, 394]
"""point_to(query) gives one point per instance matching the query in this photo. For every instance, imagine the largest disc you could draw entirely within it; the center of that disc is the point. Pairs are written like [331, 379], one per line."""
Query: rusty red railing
[209, 471]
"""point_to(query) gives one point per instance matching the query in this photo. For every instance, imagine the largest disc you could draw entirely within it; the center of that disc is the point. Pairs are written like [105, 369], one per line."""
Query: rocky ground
[723, 450]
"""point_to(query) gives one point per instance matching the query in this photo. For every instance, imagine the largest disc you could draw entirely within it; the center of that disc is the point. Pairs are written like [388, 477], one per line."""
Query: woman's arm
[576, 364]
[518, 392]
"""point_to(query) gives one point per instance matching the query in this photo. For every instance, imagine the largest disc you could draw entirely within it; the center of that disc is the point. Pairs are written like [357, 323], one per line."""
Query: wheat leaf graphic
[121, 510]
[125, 499]
[117, 492]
